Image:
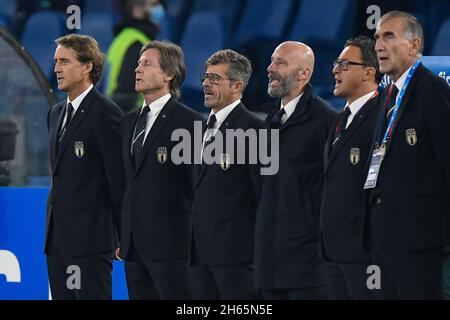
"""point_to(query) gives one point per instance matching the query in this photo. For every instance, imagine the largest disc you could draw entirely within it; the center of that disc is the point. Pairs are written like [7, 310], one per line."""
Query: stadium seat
[324, 25]
[98, 6]
[7, 8]
[38, 38]
[166, 29]
[204, 35]
[100, 26]
[177, 11]
[262, 20]
[441, 45]
[231, 9]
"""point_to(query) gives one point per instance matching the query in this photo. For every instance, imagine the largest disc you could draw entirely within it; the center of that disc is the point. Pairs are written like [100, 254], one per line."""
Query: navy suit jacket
[410, 206]
[343, 202]
[87, 174]
[287, 224]
[157, 201]
[225, 201]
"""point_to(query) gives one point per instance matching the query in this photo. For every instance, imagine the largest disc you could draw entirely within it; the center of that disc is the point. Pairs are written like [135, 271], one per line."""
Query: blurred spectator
[138, 26]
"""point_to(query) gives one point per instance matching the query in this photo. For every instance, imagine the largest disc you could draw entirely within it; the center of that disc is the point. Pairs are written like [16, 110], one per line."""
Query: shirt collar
[356, 105]
[289, 108]
[77, 101]
[157, 105]
[401, 81]
[222, 114]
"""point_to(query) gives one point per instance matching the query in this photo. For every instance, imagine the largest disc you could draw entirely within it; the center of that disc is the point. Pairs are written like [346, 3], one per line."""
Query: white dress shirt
[289, 108]
[356, 105]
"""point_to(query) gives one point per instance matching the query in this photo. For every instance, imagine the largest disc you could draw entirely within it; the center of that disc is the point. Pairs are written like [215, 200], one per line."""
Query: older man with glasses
[226, 193]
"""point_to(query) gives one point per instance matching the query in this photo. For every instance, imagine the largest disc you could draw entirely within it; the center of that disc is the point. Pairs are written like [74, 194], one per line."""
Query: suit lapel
[55, 132]
[300, 113]
[82, 111]
[328, 149]
[357, 121]
[164, 115]
[129, 125]
[404, 103]
[228, 123]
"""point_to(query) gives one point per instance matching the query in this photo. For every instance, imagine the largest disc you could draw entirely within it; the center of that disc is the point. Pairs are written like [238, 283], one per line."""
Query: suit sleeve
[255, 169]
[109, 140]
[438, 123]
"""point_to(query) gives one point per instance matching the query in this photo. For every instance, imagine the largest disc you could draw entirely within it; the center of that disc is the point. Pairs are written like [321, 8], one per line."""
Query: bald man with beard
[287, 262]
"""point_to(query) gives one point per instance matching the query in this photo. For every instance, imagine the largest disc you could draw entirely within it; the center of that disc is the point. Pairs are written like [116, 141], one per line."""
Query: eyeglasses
[213, 78]
[343, 64]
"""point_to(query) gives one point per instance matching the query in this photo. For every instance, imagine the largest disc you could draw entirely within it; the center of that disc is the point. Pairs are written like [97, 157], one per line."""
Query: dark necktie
[275, 122]
[69, 113]
[209, 133]
[139, 135]
[390, 103]
[341, 124]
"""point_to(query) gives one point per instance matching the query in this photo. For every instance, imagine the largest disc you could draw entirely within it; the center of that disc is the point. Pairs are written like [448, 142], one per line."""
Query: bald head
[290, 70]
[299, 53]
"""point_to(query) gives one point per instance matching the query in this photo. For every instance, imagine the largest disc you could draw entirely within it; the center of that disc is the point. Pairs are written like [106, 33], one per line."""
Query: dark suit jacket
[287, 224]
[85, 199]
[158, 195]
[343, 206]
[410, 205]
[225, 201]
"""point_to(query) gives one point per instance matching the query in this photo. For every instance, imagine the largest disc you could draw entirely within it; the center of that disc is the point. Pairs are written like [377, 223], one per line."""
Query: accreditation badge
[375, 165]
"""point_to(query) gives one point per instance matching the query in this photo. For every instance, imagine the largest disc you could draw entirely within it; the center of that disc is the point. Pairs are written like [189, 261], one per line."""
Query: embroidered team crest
[161, 154]
[224, 161]
[411, 137]
[354, 156]
[79, 149]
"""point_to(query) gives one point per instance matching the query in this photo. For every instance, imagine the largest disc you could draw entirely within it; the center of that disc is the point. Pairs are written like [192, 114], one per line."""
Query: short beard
[286, 85]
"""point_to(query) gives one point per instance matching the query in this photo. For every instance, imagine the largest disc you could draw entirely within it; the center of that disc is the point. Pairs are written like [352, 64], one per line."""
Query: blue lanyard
[399, 101]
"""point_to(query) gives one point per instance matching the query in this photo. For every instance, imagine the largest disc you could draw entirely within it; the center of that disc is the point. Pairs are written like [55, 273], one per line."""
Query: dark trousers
[152, 280]
[348, 281]
[94, 271]
[410, 275]
[314, 293]
[224, 282]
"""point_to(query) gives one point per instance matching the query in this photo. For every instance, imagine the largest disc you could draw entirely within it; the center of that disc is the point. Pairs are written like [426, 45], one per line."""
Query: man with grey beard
[287, 262]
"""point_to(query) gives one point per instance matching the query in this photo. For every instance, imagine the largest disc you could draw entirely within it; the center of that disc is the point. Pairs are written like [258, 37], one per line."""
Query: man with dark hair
[287, 263]
[408, 177]
[345, 156]
[158, 192]
[226, 191]
[83, 209]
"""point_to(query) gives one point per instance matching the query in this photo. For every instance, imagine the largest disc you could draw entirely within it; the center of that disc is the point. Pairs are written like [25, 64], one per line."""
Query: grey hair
[413, 29]
[240, 68]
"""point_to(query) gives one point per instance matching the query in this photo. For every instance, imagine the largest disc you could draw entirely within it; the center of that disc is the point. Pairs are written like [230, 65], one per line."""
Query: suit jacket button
[134, 184]
[378, 200]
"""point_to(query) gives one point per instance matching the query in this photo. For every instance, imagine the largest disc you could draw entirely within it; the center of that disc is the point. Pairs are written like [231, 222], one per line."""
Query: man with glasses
[157, 202]
[345, 156]
[226, 192]
[287, 262]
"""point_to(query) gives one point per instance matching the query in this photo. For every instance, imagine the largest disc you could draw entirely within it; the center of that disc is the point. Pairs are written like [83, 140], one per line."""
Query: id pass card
[374, 169]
